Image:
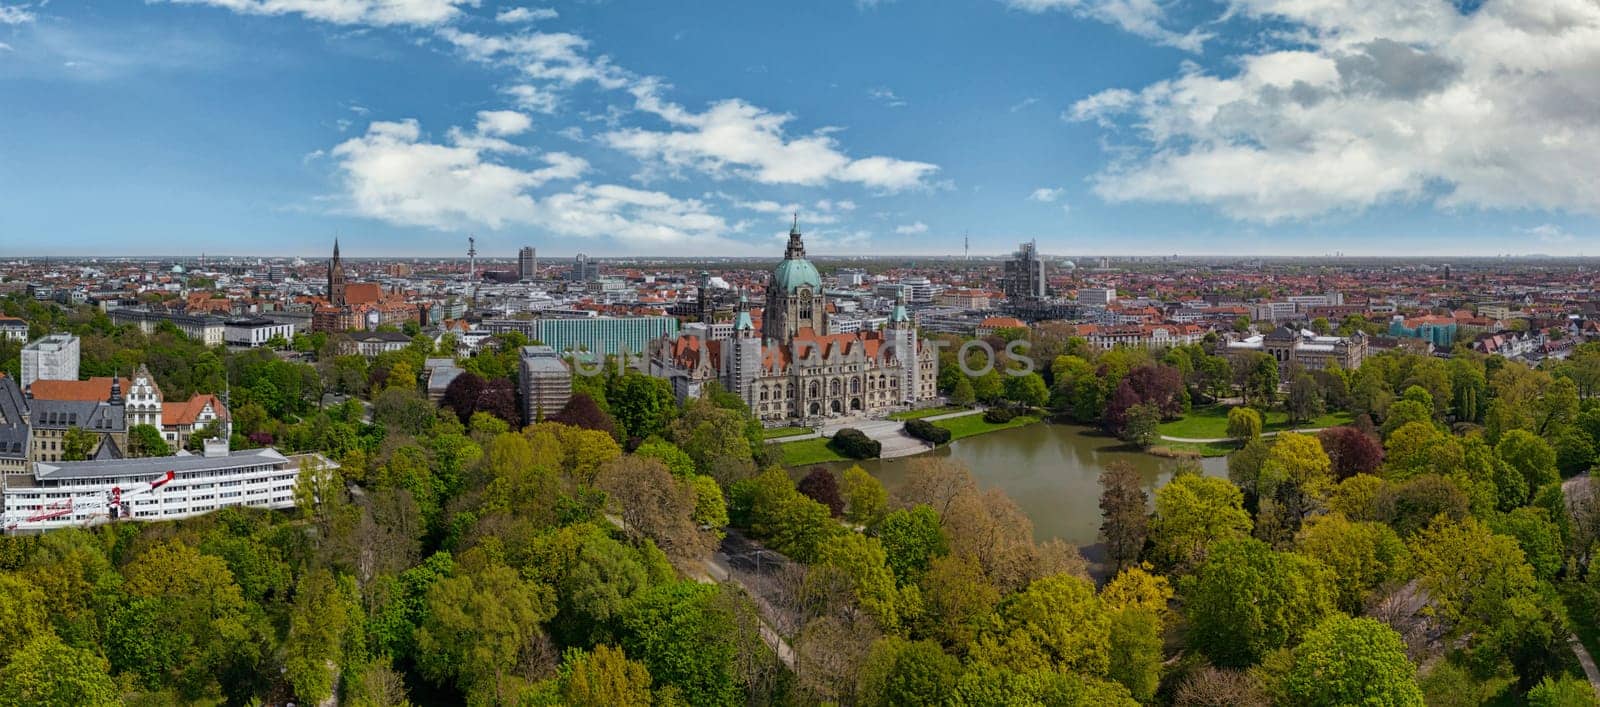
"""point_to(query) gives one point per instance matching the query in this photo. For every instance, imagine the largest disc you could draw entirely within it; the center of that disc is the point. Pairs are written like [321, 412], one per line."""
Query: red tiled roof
[187, 413]
[92, 390]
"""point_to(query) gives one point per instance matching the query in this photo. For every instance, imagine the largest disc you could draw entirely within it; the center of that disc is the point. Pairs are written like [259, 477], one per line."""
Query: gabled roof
[93, 390]
[188, 412]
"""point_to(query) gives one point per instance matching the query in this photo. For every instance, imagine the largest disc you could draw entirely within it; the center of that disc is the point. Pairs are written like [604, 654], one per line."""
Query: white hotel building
[76, 494]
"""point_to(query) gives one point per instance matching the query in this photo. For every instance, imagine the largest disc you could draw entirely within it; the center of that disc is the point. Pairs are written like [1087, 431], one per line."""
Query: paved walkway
[1219, 440]
[889, 433]
[1589, 669]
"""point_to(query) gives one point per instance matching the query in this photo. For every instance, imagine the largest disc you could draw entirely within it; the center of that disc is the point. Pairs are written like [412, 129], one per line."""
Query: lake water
[1052, 471]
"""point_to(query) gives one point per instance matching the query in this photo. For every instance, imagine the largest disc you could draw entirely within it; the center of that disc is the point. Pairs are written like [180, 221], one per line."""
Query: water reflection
[1050, 470]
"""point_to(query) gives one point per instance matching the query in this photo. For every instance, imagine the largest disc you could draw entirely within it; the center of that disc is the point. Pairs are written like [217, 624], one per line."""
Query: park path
[1219, 440]
[889, 433]
[715, 571]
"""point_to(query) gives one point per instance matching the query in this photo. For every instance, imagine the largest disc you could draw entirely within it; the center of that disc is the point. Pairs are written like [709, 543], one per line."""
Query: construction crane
[111, 504]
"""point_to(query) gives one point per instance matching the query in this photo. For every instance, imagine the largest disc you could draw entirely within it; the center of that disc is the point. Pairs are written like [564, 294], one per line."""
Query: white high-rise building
[1097, 296]
[52, 358]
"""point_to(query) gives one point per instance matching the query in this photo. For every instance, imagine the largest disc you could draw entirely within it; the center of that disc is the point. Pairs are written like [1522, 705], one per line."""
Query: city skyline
[1253, 127]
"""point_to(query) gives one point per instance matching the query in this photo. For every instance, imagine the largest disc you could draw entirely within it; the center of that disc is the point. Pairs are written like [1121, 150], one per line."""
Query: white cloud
[1046, 195]
[15, 15]
[735, 138]
[394, 174]
[1494, 109]
[836, 205]
[768, 206]
[830, 241]
[534, 98]
[911, 228]
[547, 56]
[1140, 17]
[887, 97]
[1549, 233]
[419, 13]
[503, 123]
[5, 47]
[526, 14]
[1023, 104]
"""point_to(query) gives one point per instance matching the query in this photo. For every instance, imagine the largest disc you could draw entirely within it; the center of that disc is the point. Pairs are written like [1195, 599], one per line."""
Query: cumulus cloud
[15, 15]
[735, 138]
[1140, 17]
[503, 123]
[518, 15]
[1373, 102]
[395, 174]
[419, 13]
[559, 57]
[887, 97]
[911, 228]
[1046, 195]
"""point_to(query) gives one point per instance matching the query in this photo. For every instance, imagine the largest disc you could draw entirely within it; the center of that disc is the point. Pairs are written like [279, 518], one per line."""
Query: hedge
[855, 444]
[998, 416]
[927, 431]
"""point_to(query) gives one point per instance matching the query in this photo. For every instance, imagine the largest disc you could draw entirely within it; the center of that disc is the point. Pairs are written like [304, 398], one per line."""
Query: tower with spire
[744, 365]
[795, 301]
[336, 295]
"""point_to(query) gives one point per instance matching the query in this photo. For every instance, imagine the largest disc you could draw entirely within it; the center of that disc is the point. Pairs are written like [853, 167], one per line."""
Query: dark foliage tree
[1351, 451]
[581, 411]
[1125, 521]
[927, 431]
[821, 486]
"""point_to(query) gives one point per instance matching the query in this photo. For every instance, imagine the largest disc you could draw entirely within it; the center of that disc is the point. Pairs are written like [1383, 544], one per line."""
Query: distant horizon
[544, 258]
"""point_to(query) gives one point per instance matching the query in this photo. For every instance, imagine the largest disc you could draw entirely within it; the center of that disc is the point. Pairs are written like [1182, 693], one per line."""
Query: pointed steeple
[899, 314]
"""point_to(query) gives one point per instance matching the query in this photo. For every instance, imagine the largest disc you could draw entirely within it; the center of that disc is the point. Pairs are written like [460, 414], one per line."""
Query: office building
[527, 263]
[606, 336]
[85, 493]
[546, 382]
[54, 357]
[584, 269]
[204, 328]
[1097, 296]
[254, 331]
[1024, 277]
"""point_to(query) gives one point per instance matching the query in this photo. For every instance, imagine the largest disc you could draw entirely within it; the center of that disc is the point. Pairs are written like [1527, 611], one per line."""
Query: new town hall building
[789, 368]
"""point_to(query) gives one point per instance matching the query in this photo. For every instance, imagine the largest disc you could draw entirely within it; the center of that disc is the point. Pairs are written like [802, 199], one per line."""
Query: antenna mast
[472, 268]
[966, 245]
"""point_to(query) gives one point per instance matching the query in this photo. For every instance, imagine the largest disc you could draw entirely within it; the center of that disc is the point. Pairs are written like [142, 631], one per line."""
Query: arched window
[835, 388]
[816, 389]
[855, 386]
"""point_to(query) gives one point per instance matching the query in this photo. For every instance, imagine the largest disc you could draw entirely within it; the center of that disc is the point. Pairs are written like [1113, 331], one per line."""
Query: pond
[1052, 472]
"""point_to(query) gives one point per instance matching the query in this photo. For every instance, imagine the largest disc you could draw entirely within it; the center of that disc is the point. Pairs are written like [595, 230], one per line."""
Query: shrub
[927, 431]
[855, 444]
[998, 416]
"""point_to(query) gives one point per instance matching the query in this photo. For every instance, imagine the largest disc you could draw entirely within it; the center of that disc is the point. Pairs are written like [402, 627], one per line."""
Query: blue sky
[645, 127]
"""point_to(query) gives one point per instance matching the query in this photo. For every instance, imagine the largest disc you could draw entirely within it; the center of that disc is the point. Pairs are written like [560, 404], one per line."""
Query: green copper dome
[792, 274]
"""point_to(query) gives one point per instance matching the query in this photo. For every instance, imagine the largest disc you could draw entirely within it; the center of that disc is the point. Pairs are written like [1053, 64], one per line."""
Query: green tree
[146, 441]
[684, 639]
[1141, 428]
[962, 393]
[603, 678]
[189, 603]
[1304, 402]
[911, 539]
[1247, 600]
[477, 626]
[900, 672]
[1537, 535]
[1056, 623]
[864, 496]
[23, 613]
[1028, 390]
[677, 461]
[1192, 512]
[1530, 456]
[863, 562]
[44, 672]
[957, 599]
[1403, 412]
[317, 622]
[1346, 661]
[1562, 691]
[78, 443]
[710, 509]
[643, 405]
[1244, 424]
[1362, 555]
[1475, 577]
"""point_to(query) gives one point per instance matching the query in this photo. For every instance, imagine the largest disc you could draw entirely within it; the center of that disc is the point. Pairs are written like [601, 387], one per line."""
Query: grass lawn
[807, 452]
[1204, 449]
[969, 425]
[928, 412]
[1211, 422]
[777, 432]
